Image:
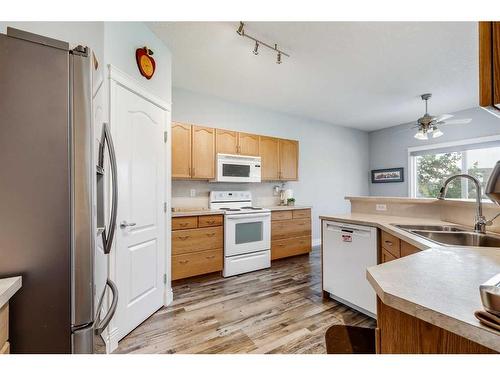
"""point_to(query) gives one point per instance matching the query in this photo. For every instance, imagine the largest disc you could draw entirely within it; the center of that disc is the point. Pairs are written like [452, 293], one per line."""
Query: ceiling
[364, 75]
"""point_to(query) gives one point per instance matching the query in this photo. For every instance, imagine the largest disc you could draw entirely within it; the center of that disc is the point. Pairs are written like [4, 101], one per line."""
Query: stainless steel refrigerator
[51, 194]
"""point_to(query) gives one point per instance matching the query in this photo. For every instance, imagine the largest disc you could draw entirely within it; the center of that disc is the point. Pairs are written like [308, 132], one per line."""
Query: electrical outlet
[381, 207]
[192, 193]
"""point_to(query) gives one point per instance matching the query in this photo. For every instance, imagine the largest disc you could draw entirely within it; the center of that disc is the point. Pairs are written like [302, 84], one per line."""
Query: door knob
[124, 224]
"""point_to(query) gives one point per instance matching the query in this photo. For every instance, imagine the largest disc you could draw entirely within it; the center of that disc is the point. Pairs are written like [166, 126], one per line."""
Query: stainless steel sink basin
[461, 238]
[436, 228]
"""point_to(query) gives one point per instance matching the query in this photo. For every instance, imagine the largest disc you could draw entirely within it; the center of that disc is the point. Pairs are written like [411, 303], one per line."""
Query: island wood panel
[196, 263]
[387, 256]
[181, 150]
[248, 144]
[227, 141]
[408, 249]
[270, 158]
[190, 240]
[400, 333]
[289, 159]
[203, 152]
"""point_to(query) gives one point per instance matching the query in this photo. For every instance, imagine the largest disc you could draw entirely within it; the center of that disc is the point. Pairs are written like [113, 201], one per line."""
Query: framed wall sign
[380, 176]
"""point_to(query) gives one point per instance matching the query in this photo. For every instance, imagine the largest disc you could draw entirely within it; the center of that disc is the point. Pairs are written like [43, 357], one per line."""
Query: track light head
[256, 48]
[278, 59]
[240, 30]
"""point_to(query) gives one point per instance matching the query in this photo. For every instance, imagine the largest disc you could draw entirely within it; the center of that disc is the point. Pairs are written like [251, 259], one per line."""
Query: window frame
[412, 160]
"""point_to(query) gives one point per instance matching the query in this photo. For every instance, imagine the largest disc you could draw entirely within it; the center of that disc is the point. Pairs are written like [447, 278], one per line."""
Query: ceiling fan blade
[442, 117]
[458, 121]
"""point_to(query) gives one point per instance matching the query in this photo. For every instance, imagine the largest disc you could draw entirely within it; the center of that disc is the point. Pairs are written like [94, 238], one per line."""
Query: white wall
[389, 147]
[333, 160]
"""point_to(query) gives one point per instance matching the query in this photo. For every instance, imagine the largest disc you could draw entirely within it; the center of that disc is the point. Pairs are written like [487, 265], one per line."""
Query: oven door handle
[247, 216]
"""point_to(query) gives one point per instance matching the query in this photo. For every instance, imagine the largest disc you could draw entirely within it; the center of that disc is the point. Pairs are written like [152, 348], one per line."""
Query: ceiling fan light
[421, 135]
[437, 133]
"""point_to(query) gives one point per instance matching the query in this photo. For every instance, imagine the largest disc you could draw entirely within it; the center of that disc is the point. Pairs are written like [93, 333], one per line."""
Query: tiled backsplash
[262, 194]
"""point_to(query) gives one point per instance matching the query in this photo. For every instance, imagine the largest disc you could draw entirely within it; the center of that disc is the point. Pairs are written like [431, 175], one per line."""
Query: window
[431, 165]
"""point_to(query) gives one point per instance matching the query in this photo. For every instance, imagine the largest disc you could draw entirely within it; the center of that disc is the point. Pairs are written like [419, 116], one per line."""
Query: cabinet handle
[388, 242]
[183, 238]
[183, 224]
[183, 261]
[210, 257]
[210, 234]
[211, 222]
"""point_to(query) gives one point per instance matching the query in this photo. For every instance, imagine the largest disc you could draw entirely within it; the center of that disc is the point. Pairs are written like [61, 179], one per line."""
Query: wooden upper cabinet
[289, 159]
[227, 141]
[270, 158]
[248, 144]
[489, 64]
[203, 152]
[181, 150]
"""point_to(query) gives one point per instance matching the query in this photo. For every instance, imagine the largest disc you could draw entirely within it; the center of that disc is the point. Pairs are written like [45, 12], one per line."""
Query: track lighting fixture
[258, 43]
[256, 48]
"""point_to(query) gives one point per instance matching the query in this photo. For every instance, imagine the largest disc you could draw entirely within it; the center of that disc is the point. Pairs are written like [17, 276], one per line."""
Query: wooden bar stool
[341, 339]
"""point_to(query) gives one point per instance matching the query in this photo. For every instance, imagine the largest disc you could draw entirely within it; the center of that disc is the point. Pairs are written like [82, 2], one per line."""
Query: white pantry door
[138, 127]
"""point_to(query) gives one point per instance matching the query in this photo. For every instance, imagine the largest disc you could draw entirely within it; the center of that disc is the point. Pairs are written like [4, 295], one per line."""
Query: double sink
[452, 235]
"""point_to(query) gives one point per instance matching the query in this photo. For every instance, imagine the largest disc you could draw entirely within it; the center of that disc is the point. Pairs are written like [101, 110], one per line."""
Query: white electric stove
[247, 232]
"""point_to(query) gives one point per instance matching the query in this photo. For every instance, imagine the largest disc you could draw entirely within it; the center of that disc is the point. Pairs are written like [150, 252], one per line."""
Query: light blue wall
[389, 147]
[333, 160]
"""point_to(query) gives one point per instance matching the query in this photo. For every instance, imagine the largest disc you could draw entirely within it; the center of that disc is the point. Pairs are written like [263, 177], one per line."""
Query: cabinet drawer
[289, 247]
[281, 215]
[209, 221]
[191, 240]
[391, 243]
[4, 324]
[387, 256]
[290, 228]
[198, 263]
[187, 222]
[408, 249]
[302, 214]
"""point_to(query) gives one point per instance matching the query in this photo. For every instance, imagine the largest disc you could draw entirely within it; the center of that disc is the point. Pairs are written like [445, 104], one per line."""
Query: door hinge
[165, 136]
[164, 206]
[165, 278]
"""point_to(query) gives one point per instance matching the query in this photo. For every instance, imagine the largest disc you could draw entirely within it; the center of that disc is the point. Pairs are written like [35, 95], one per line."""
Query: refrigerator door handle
[100, 325]
[107, 238]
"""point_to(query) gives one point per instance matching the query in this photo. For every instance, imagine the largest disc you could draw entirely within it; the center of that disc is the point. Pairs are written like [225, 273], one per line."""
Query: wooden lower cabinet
[4, 329]
[199, 249]
[196, 263]
[391, 248]
[290, 233]
[400, 333]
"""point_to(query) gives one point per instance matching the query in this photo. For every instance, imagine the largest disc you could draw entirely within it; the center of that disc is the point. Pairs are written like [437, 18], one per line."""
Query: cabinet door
[181, 150]
[489, 64]
[227, 142]
[203, 152]
[248, 144]
[289, 159]
[269, 152]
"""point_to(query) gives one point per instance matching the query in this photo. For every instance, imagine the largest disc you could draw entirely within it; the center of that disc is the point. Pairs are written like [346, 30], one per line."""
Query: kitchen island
[426, 301]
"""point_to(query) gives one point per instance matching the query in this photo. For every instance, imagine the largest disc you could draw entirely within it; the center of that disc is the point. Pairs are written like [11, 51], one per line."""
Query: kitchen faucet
[480, 221]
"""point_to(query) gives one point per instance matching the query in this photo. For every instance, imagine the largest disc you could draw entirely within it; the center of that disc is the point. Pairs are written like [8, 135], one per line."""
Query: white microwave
[238, 168]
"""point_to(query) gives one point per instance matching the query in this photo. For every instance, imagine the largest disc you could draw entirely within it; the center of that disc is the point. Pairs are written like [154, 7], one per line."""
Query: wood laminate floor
[277, 310]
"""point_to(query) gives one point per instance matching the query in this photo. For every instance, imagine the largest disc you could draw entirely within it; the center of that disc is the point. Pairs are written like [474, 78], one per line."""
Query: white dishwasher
[348, 250]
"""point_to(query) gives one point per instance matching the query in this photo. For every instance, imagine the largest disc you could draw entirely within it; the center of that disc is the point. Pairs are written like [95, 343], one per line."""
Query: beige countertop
[200, 212]
[439, 285]
[8, 287]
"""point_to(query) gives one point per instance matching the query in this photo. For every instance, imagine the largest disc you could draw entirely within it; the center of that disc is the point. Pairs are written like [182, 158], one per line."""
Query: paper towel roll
[288, 194]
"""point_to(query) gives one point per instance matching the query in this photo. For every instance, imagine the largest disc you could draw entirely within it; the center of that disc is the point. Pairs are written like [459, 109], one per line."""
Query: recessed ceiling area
[364, 75]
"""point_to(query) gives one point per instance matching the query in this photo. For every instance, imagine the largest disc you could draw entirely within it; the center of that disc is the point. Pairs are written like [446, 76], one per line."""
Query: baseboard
[112, 341]
[316, 242]
[169, 296]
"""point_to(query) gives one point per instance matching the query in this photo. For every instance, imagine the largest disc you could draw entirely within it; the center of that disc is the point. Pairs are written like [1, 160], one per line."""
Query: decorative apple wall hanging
[145, 62]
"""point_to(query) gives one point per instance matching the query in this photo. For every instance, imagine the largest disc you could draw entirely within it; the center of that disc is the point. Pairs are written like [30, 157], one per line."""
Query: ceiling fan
[428, 124]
